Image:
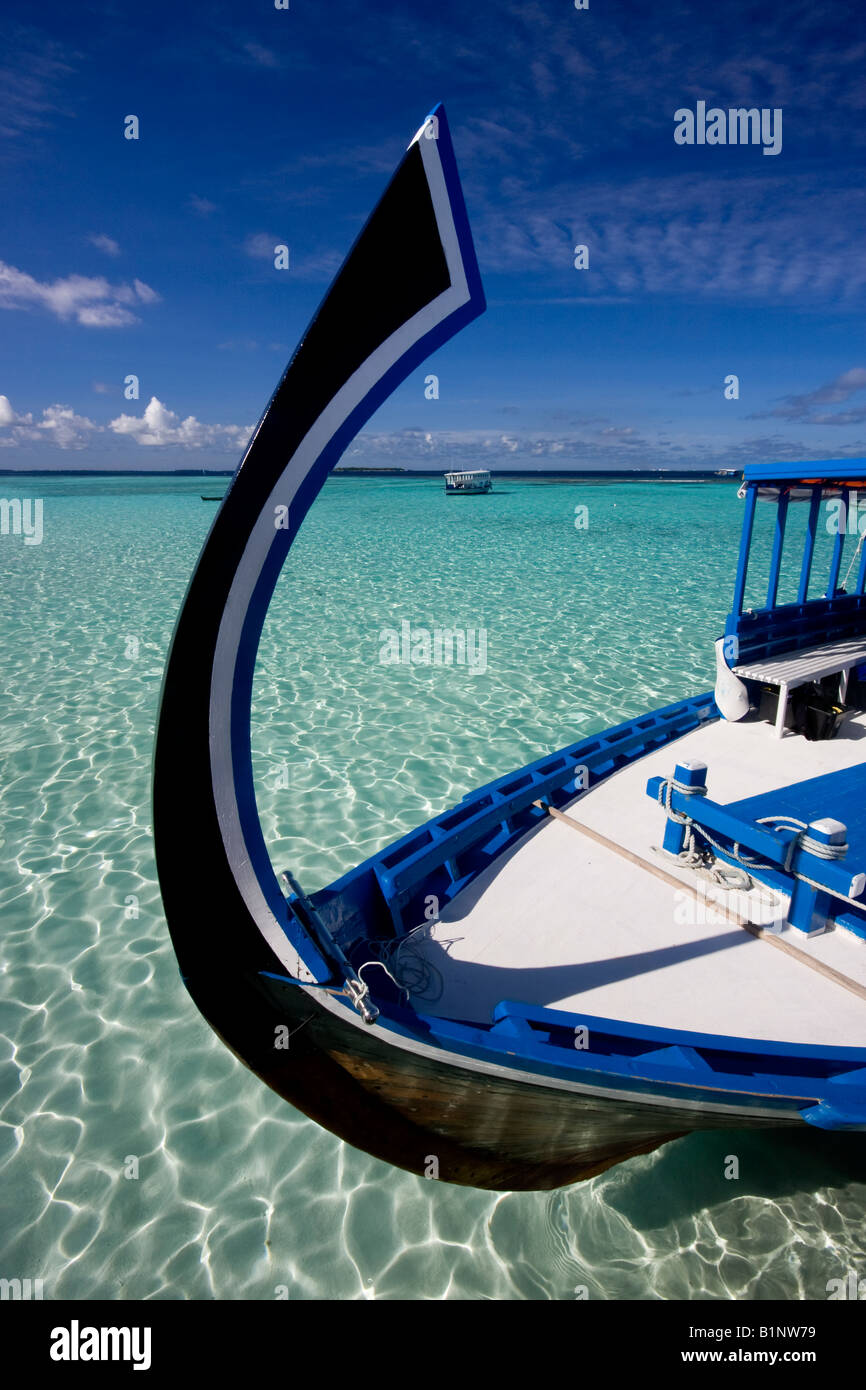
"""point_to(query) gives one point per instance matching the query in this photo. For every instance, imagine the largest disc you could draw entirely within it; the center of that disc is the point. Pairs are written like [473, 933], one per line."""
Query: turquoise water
[107, 1069]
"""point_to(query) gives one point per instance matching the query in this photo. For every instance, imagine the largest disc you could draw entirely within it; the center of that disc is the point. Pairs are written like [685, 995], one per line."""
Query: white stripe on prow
[429, 130]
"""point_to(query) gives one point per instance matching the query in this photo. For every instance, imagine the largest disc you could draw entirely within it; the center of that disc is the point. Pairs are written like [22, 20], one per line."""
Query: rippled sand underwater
[138, 1158]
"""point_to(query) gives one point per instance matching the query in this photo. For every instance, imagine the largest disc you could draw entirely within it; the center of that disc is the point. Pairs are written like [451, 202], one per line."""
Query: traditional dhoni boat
[469, 483]
[658, 929]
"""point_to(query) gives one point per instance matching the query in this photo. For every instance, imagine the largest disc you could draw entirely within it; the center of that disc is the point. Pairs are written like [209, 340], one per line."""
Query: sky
[153, 258]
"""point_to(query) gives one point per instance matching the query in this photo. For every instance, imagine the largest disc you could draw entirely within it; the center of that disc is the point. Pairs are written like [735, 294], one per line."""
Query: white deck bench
[790, 669]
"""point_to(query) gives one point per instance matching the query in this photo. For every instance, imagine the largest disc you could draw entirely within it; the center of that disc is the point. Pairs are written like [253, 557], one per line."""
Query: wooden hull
[407, 1109]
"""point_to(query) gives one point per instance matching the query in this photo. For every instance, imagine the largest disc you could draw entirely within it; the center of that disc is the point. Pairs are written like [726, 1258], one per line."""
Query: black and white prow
[595, 994]
[408, 284]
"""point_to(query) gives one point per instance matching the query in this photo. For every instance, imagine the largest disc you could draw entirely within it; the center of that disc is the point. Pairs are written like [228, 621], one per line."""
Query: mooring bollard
[810, 907]
[691, 779]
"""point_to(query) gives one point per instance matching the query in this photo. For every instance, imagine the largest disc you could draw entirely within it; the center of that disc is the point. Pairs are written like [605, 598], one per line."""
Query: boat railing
[830, 1081]
[807, 861]
[841, 611]
[826, 1083]
[445, 855]
[510, 807]
[618, 1038]
[765, 632]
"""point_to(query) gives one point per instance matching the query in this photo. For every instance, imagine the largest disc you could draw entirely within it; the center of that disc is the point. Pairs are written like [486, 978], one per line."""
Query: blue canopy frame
[838, 612]
[848, 474]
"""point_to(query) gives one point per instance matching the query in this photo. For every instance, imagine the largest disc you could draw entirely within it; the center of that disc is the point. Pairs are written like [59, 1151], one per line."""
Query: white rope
[415, 976]
[692, 857]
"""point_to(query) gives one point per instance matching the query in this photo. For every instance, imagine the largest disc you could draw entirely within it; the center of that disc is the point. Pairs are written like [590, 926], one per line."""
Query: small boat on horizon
[472, 482]
[658, 929]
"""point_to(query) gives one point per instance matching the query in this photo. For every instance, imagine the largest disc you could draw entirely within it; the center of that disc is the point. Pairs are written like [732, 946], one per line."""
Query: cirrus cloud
[105, 243]
[805, 408]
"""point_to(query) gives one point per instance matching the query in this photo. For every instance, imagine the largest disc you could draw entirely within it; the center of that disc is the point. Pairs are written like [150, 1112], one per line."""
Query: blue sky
[261, 126]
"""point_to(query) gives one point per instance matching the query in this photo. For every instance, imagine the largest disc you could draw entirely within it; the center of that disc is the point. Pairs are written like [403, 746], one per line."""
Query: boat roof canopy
[827, 472]
[812, 481]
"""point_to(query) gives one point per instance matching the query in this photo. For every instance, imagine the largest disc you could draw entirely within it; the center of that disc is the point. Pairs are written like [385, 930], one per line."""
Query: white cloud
[159, 425]
[90, 300]
[743, 238]
[66, 429]
[145, 293]
[804, 408]
[203, 206]
[105, 243]
[59, 423]
[62, 427]
[265, 57]
[104, 316]
[261, 246]
[426, 449]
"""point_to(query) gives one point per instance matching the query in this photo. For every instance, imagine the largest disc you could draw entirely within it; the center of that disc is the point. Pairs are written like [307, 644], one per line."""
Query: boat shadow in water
[688, 1175]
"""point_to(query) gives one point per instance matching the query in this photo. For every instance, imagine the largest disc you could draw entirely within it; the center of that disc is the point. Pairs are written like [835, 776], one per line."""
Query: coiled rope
[693, 856]
[409, 970]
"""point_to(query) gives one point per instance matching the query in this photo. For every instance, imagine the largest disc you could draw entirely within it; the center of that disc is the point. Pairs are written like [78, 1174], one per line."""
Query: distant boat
[656, 929]
[212, 499]
[475, 481]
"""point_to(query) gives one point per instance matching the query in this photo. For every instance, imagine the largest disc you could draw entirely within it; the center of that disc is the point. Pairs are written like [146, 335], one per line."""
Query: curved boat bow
[524, 1092]
[408, 284]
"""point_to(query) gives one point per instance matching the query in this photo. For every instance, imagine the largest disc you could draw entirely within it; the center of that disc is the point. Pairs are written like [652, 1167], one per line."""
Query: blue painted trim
[477, 300]
[809, 545]
[490, 819]
[766, 632]
[651, 1064]
[780, 628]
[682, 1037]
[836, 558]
[778, 544]
[827, 469]
[745, 546]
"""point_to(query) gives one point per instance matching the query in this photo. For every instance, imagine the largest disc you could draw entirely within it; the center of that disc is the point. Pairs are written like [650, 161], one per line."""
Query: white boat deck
[563, 922]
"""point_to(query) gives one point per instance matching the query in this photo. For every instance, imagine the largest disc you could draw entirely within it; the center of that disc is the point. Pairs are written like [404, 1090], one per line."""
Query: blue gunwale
[488, 821]
[521, 1037]
[825, 1084]
[651, 1062]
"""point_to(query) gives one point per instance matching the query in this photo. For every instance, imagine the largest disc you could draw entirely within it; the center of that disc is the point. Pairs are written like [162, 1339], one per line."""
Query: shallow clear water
[107, 1068]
